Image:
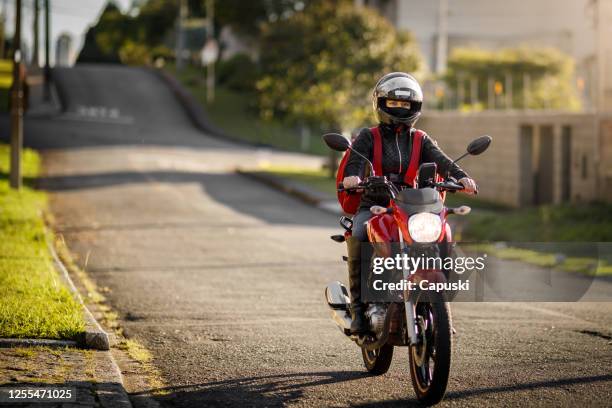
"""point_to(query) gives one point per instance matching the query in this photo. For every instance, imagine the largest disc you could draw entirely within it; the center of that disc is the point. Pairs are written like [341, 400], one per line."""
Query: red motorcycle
[414, 224]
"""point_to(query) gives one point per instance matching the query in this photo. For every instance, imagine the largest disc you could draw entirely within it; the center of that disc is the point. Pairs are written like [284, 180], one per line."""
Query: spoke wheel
[430, 358]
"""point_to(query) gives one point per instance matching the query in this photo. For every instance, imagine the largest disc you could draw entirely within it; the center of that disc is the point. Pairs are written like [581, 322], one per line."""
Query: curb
[8, 343]
[303, 193]
[113, 394]
[94, 337]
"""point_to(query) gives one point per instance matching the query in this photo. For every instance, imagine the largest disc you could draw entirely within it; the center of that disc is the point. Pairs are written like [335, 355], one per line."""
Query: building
[537, 157]
[64, 55]
[580, 28]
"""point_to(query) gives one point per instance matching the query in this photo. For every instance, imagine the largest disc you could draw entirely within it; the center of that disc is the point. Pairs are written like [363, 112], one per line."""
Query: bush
[550, 74]
[238, 73]
[132, 53]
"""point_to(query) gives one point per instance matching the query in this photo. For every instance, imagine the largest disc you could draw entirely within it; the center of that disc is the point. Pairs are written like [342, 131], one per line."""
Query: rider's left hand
[469, 185]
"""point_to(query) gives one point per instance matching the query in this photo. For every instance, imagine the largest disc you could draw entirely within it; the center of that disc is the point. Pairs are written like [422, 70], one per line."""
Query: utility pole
[2, 28]
[180, 35]
[442, 43]
[16, 104]
[35, 25]
[210, 69]
[47, 85]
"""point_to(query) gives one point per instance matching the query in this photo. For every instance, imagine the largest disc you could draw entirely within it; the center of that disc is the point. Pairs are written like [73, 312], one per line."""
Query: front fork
[408, 303]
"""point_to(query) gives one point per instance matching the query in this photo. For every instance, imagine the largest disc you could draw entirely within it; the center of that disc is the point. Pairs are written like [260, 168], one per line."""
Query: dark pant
[359, 224]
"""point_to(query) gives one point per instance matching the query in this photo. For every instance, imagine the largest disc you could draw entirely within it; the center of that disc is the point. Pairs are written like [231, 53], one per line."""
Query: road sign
[210, 52]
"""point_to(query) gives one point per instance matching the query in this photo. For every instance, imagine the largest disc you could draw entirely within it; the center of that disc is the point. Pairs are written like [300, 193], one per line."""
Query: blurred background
[162, 138]
[278, 73]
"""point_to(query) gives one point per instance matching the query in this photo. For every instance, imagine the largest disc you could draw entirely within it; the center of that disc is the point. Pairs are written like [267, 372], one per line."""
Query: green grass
[495, 222]
[317, 179]
[33, 301]
[235, 113]
[564, 223]
[576, 264]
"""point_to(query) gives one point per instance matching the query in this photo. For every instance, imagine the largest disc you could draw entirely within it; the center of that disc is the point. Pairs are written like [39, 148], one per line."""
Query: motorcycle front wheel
[430, 359]
[378, 361]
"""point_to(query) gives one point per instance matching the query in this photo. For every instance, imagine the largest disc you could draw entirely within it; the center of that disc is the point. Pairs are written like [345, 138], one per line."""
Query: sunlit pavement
[222, 278]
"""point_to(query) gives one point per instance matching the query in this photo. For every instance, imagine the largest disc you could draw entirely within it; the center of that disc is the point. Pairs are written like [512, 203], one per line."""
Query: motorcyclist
[397, 101]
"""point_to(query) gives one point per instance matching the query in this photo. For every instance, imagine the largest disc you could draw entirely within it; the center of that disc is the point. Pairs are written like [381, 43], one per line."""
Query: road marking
[100, 114]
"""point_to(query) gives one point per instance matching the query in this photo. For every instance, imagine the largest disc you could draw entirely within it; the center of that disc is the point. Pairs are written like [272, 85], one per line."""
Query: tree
[246, 17]
[103, 41]
[121, 38]
[134, 37]
[319, 65]
[547, 75]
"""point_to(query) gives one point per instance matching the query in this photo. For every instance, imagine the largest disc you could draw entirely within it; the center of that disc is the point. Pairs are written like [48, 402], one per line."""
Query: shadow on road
[265, 391]
[529, 386]
[532, 386]
[231, 190]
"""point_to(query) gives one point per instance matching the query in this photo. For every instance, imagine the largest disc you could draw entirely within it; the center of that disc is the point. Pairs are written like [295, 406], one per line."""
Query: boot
[359, 324]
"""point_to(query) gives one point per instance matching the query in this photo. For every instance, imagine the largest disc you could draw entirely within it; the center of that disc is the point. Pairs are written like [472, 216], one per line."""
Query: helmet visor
[401, 110]
[397, 103]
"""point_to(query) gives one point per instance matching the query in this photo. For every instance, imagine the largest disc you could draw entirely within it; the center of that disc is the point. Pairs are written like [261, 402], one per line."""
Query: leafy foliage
[238, 73]
[246, 17]
[121, 38]
[102, 41]
[319, 65]
[133, 53]
[139, 38]
[549, 73]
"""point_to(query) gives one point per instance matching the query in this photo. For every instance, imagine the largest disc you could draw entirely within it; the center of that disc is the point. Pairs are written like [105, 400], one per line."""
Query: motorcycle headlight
[425, 227]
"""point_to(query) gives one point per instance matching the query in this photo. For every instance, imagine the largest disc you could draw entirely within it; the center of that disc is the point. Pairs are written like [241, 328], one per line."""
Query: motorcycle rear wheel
[430, 360]
[378, 361]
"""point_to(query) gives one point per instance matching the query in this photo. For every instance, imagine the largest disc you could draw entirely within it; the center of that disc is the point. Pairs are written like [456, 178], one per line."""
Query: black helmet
[397, 86]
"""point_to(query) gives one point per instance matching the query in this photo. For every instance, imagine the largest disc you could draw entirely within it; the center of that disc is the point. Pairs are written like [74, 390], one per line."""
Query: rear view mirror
[479, 145]
[336, 142]
[427, 174]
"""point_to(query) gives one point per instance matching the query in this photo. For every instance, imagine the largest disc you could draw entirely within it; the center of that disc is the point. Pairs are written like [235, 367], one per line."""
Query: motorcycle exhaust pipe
[338, 301]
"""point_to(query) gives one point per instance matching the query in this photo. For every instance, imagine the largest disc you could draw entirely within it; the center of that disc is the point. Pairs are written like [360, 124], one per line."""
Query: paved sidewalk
[36, 363]
[90, 372]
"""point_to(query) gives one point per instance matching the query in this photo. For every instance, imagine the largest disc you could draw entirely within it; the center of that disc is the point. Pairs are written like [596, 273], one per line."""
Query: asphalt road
[222, 279]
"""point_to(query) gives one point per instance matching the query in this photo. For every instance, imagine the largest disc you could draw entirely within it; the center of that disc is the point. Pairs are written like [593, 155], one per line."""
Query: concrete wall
[504, 172]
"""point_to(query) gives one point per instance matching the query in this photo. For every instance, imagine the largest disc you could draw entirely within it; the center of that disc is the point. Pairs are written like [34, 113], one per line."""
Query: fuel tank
[382, 231]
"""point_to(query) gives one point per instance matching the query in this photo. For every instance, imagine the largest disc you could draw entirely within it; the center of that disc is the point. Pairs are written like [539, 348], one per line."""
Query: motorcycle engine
[376, 314]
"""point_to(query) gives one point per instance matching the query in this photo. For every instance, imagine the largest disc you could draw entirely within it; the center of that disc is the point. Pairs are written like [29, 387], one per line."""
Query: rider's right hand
[351, 182]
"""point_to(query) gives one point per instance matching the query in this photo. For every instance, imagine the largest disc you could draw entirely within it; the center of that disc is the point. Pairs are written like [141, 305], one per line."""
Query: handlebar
[360, 186]
[446, 185]
[370, 182]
